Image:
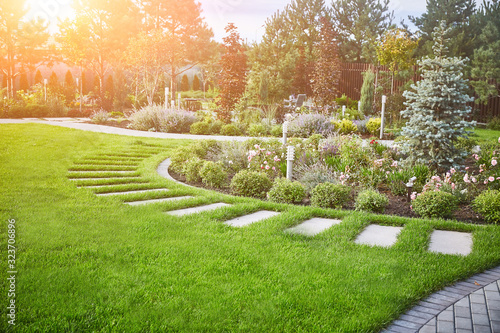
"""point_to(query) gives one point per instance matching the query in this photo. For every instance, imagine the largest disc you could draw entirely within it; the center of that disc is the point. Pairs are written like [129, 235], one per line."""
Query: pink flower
[474, 180]
[452, 186]
[276, 159]
[476, 157]
[493, 162]
[499, 140]
[486, 182]
[394, 164]
[491, 179]
[267, 167]
[274, 169]
[265, 162]
[452, 170]
[413, 196]
[268, 153]
[466, 178]
[249, 158]
[261, 166]
[467, 168]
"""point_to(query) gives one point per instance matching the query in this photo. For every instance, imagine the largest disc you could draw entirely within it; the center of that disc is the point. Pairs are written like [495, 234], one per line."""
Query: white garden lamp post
[179, 100]
[384, 100]
[45, 89]
[290, 156]
[167, 96]
[285, 130]
[343, 110]
[79, 92]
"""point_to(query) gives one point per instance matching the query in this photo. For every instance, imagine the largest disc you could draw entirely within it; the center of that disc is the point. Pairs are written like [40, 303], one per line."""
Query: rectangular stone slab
[378, 235]
[451, 242]
[198, 209]
[313, 226]
[132, 192]
[251, 218]
[145, 202]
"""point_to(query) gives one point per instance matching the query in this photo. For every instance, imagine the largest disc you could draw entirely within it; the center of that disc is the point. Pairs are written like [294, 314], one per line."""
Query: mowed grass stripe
[96, 167]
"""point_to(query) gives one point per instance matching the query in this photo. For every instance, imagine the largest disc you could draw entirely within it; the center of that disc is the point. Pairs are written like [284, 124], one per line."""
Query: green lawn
[487, 135]
[89, 263]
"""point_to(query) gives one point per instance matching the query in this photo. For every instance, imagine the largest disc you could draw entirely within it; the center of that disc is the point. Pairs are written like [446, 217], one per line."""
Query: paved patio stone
[313, 226]
[145, 202]
[132, 192]
[378, 235]
[251, 218]
[198, 209]
[450, 242]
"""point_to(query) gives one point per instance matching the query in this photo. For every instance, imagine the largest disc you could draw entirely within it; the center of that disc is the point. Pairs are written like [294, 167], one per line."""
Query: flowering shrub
[305, 125]
[265, 160]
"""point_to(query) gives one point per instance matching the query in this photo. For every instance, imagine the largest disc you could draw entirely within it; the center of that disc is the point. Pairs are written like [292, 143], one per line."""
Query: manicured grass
[487, 135]
[88, 263]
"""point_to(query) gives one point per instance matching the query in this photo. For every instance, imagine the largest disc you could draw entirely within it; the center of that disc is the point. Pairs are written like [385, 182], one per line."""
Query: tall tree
[458, 15]
[185, 32]
[38, 77]
[196, 83]
[23, 82]
[20, 41]
[98, 35]
[326, 75]
[69, 87]
[437, 109]
[185, 83]
[360, 23]
[232, 82]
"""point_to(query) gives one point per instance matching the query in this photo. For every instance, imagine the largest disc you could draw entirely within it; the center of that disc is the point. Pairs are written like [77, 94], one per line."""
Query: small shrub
[286, 191]
[179, 157]
[313, 175]
[373, 125]
[494, 124]
[434, 204]
[251, 184]
[277, 130]
[258, 130]
[328, 195]
[397, 181]
[371, 201]
[200, 128]
[158, 119]
[230, 130]
[215, 127]
[488, 205]
[213, 174]
[191, 169]
[116, 114]
[308, 124]
[345, 126]
[99, 117]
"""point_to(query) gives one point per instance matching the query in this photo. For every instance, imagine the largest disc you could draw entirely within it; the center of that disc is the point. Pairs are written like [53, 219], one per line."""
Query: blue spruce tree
[437, 109]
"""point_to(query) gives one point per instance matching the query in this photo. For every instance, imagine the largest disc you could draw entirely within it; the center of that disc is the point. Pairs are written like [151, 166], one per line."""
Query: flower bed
[348, 161]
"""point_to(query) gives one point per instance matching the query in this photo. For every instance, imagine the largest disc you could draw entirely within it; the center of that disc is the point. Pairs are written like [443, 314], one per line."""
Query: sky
[248, 16]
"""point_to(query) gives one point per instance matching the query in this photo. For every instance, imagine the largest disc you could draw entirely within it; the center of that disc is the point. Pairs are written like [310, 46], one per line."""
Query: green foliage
[213, 174]
[277, 131]
[396, 49]
[158, 119]
[434, 204]
[371, 201]
[29, 111]
[253, 184]
[305, 125]
[233, 75]
[286, 191]
[191, 169]
[373, 125]
[230, 130]
[185, 83]
[196, 83]
[367, 92]
[494, 124]
[348, 102]
[326, 74]
[313, 175]
[199, 149]
[397, 180]
[200, 128]
[437, 112]
[345, 126]
[258, 130]
[488, 205]
[328, 195]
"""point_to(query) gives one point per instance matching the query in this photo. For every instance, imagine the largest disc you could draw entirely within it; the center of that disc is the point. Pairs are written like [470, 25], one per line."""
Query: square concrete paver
[451, 242]
[313, 226]
[198, 209]
[378, 235]
[250, 218]
[145, 202]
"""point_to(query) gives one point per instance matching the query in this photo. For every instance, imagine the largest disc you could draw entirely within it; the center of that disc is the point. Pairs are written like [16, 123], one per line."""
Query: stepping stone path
[378, 235]
[313, 226]
[199, 209]
[450, 242]
[251, 218]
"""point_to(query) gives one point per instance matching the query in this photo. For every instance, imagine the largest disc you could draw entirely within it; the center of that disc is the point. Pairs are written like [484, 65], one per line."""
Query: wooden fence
[352, 79]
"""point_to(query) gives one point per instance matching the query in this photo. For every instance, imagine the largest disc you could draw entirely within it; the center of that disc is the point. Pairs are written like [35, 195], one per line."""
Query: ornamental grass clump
[286, 191]
[305, 125]
[328, 195]
[371, 201]
[156, 118]
[252, 184]
[434, 204]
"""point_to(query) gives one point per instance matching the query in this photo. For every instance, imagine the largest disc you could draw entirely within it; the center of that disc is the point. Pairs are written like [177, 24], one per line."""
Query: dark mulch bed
[398, 205]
